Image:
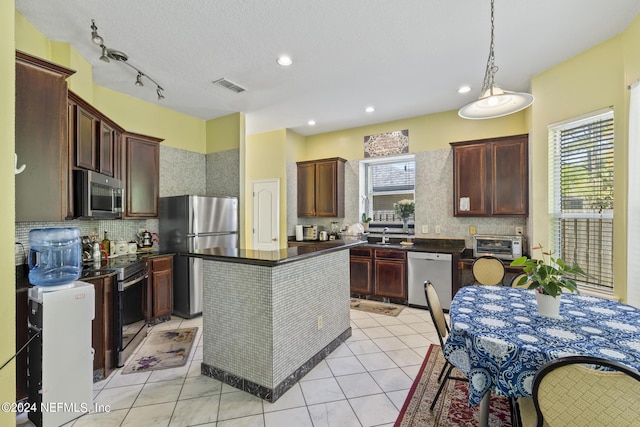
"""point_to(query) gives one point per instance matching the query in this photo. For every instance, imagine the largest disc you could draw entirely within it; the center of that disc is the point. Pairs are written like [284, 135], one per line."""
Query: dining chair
[570, 391]
[437, 315]
[516, 279]
[487, 270]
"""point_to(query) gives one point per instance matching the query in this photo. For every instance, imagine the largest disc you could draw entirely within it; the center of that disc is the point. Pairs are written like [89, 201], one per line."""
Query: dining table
[499, 340]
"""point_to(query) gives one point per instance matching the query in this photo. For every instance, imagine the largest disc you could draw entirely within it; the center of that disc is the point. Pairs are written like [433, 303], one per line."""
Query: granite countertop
[276, 257]
[106, 267]
[420, 245]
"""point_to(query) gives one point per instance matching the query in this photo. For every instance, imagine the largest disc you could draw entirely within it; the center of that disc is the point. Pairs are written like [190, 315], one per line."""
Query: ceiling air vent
[229, 85]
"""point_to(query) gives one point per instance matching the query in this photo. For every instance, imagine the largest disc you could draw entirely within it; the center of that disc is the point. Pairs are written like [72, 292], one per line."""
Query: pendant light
[494, 101]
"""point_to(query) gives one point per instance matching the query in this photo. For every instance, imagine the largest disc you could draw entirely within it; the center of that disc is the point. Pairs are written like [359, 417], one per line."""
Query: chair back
[516, 279]
[488, 270]
[570, 392]
[437, 313]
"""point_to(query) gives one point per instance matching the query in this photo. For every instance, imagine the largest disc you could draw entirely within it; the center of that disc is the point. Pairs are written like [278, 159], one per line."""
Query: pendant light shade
[494, 101]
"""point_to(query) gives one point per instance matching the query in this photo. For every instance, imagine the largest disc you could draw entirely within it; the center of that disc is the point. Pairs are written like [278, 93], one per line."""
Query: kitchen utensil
[145, 239]
[323, 236]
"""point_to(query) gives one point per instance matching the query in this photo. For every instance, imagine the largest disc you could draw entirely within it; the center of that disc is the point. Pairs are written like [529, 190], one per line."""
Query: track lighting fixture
[119, 56]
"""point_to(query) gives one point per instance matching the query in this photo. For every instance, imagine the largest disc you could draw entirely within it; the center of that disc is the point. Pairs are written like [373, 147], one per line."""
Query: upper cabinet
[321, 188]
[142, 175]
[41, 140]
[490, 177]
[94, 138]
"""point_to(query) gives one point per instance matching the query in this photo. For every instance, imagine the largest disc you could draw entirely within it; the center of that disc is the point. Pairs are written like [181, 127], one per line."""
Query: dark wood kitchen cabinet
[160, 298]
[142, 175]
[493, 175]
[93, 138]
[321, 188]
[102, 339]
[391, 273]
[361, 271]
[379, 273]
[41, 140]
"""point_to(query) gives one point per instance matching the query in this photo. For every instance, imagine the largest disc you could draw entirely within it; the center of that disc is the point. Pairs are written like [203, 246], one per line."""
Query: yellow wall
[266, 159]
[587, 82]
[431, 132]
[224, 133]
[7, 213]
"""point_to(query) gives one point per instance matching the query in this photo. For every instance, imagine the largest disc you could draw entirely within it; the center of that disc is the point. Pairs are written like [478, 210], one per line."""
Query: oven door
[130, 322]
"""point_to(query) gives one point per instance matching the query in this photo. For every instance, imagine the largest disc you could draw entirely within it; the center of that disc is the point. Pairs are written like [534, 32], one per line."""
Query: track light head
[95, 37]
[159, 92]
[139, 80]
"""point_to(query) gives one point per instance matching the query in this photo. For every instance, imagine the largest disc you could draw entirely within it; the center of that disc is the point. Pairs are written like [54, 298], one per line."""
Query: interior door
[265, 228]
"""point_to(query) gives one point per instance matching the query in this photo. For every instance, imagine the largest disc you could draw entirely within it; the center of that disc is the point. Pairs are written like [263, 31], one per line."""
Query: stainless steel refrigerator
[189, 223]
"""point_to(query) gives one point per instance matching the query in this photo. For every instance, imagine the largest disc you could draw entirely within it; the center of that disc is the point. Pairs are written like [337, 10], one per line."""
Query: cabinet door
[106, 153]
[86, 139]
[162, 286]
[109, 284]
[330, 188]
[142, 176]
[97, 325]
[306, 190]
[361, 275]
[509, 184]
[41, 140]
[470, 180]
[391, 278]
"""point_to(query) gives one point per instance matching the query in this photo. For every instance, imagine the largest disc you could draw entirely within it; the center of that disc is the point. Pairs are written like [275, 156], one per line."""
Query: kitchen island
[269, 317]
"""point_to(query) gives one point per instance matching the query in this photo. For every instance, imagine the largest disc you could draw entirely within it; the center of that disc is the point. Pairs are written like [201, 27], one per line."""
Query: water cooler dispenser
[60, 357]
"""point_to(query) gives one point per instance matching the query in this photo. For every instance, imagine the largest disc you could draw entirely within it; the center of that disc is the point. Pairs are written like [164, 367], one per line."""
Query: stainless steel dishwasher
[435, 267]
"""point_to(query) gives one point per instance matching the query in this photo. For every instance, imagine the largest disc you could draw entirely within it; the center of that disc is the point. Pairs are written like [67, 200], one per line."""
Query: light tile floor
[363, 383]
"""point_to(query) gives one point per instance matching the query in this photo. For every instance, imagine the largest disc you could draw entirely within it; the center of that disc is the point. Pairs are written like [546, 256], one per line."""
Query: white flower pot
[548, 306]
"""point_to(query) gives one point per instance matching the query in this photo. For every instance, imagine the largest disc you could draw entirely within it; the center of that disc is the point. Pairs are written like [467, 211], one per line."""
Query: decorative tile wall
[182, 172]
[223, 173]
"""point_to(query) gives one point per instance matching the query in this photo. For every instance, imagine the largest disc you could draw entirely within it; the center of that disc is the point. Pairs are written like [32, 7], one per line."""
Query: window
[386, 182]
[582, 195]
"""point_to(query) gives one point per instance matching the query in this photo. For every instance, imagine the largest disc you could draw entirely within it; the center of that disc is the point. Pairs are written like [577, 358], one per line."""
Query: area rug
[162, 349]
[376, 307]
[452, 408]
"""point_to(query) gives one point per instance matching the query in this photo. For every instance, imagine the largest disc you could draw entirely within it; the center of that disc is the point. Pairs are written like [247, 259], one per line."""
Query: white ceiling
[405, 57]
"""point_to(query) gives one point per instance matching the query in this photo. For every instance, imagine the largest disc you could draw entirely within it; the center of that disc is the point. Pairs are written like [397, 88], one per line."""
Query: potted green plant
[365, 221]
[549, 276]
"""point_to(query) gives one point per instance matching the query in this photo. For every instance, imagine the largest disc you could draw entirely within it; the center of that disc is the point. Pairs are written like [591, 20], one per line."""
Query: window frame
[560, 217]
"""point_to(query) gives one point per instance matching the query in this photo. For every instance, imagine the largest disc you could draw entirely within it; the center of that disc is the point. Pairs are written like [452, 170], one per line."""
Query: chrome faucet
[385, 239]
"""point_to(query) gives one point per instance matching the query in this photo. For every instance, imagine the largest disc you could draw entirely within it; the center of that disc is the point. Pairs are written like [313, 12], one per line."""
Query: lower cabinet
[361, 271]
[102, 327]
[379, 273]
[160, 295]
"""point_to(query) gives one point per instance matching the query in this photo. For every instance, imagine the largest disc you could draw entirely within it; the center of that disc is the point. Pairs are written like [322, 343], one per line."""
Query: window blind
[582, 195]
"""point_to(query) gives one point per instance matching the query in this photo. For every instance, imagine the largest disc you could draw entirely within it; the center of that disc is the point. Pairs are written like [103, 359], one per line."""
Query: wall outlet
[425, 229]
[519, 230]
[319, 322]
[472, 230]
[437, 229]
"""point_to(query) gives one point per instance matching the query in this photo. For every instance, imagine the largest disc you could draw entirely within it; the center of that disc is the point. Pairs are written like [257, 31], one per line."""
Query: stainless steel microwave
[97, 195]
[502, 247]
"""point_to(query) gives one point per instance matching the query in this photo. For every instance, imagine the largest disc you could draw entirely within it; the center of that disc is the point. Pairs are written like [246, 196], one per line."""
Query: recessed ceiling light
[369, 109]
[311, 122]
[284, 60]
[464, 89]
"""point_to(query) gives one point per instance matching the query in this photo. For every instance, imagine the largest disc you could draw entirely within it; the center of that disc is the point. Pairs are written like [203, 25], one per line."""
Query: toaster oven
[502, 247]
[310, 232]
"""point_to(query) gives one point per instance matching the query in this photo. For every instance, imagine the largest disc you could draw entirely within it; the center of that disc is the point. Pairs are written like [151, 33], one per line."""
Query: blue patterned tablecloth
[499, 340]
